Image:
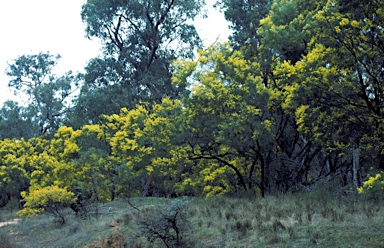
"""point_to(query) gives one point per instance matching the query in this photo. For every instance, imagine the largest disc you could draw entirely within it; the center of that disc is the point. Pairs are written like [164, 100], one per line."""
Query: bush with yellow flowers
[50, 199]
[373, 187]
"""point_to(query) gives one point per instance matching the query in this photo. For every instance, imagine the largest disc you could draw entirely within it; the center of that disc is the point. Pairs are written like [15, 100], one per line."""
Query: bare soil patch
[9, 222]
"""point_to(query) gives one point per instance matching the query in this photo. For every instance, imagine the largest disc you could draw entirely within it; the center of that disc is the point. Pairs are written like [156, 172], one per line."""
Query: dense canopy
[294, 99]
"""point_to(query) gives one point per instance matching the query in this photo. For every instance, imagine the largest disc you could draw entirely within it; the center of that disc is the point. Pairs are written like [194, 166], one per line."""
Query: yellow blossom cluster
[373, 183]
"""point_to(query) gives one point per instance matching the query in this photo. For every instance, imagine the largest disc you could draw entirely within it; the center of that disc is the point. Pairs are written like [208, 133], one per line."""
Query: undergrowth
[293, 220]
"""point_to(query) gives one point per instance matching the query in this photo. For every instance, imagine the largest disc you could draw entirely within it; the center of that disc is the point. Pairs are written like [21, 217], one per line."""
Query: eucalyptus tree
[244, 17]
[140, 40]
[16, 121]
[48, 96]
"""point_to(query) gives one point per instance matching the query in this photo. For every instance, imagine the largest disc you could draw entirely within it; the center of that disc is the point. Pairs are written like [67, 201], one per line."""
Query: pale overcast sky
[33, 26]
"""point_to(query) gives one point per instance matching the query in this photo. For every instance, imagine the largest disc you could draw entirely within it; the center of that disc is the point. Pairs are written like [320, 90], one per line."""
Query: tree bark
[355, 164]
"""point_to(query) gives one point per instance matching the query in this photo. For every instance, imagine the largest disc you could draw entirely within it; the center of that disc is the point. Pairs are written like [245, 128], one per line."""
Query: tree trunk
[327, 165]
[95, 191]
[355, 165]
[263, 179]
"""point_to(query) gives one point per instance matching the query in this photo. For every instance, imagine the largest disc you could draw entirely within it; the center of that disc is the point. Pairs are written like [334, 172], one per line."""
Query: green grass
[300, 220]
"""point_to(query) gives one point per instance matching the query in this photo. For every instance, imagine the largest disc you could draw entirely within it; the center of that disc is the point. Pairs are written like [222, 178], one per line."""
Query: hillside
[302, 220]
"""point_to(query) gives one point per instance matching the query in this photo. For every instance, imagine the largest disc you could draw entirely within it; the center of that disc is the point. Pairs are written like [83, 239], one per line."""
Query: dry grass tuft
[299, 220]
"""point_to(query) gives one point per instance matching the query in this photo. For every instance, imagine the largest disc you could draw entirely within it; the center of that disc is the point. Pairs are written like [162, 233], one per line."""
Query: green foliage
[295, 99]
[140, 41]
[48, 95]
[16, 121]
[328, 78]
[244, 17]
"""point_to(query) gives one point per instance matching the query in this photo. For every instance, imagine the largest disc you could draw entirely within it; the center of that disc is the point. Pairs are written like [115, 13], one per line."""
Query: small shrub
[50, 200]
[167, 223]
[373, 188]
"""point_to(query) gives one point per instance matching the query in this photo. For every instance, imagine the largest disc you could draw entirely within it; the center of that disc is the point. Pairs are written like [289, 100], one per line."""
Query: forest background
[294, 99]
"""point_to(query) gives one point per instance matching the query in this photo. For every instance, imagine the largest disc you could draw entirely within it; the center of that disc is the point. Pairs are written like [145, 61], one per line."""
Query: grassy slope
[301, 220]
